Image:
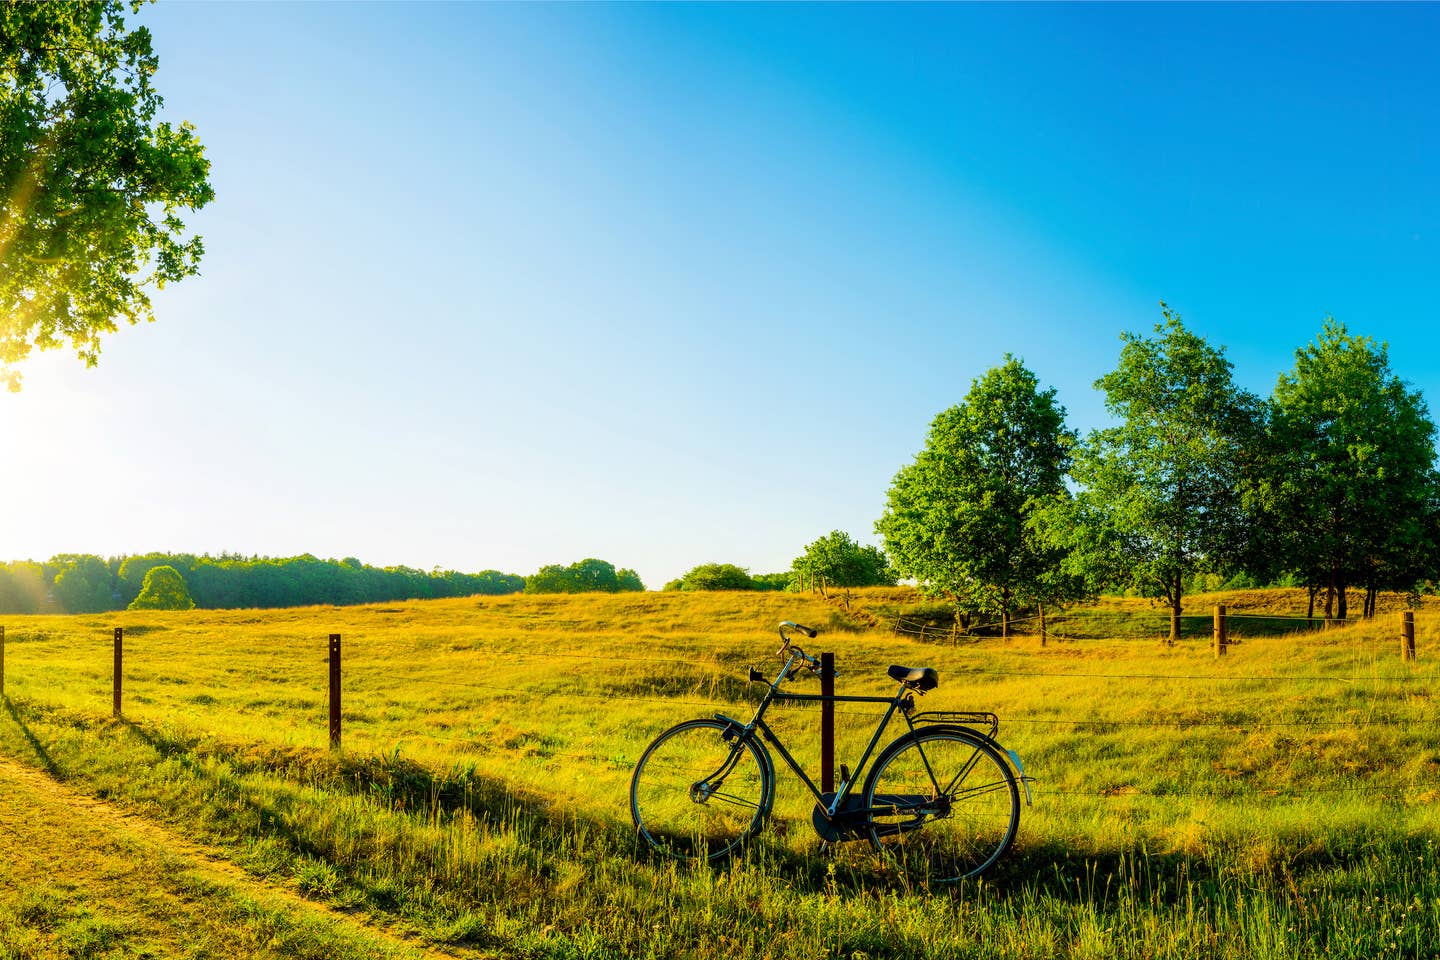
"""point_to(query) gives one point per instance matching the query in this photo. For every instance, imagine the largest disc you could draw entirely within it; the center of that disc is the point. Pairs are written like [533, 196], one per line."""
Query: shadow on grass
[240, 811]
[41, 754]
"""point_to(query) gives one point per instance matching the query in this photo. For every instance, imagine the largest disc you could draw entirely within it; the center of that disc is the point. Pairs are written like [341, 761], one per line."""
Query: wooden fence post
[827, 723]
[1407, 638]
[334, 691]
[119, 647]
[1221, 635]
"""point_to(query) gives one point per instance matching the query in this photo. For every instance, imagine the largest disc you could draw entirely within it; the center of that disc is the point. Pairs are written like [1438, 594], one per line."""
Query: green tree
[132, 570]
[717, 576]
[164, 589]
[82, 584]
[959, 518]
[628, 581]
[1350, 493]
[837, 560]
[584, 576]
[91, 185]
[1160, 495]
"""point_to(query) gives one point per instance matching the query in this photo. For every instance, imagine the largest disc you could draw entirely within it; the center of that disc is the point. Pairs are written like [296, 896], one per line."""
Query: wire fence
[378, 679]
[1062, 627]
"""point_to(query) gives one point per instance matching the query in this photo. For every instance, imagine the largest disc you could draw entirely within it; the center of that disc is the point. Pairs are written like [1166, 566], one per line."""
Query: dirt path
[83, 847]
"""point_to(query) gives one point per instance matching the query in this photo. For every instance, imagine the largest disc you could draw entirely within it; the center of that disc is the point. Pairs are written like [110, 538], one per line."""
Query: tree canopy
[1349, 495]
[714, 576]
[91, 183]
[1159, 496]
[958, 519]
[163, 589]
[837, 560]
[583, 576]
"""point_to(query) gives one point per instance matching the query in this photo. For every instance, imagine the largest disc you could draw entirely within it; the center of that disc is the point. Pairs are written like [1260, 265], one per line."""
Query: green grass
[1279, 801]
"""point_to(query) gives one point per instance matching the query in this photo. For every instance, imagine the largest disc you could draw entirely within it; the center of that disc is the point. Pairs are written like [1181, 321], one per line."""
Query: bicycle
[943, 798]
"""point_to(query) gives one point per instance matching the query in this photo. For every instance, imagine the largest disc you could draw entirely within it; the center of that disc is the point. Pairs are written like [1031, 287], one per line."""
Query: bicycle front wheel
[700, 791]
[944, 804]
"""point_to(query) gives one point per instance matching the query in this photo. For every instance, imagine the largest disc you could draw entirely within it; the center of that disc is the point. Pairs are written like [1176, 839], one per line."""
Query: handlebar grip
[810, 632]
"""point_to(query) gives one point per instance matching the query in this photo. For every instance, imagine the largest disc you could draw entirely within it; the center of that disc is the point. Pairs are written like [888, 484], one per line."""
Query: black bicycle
[943, 798]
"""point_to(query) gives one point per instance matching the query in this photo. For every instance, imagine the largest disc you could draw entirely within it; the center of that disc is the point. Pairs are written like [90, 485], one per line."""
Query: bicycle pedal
[844, 773]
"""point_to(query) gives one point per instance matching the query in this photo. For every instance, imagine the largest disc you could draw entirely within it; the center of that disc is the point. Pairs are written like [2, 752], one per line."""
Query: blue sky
[493, 286]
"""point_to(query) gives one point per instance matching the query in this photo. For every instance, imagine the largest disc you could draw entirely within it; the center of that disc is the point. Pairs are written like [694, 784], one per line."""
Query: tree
[628, 581]
[837, 560]
[958, 519]
[584, 576]
[164, 589]
[1160, 492]
[1350, 494]
[717, 576]
[91, 185]
[82, 584]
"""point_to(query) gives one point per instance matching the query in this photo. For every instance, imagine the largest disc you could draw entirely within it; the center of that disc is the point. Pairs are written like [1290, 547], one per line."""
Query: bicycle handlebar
[790, 653]
[812, 662]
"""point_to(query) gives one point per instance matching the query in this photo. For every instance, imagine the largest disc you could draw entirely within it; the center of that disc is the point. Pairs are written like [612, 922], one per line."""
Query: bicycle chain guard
[847, 824]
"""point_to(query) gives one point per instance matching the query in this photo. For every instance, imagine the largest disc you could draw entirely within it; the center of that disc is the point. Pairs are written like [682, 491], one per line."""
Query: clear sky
[494, 286]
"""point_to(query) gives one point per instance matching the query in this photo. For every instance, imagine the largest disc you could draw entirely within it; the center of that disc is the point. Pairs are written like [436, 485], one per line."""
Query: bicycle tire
[949, 802]
[699, 792]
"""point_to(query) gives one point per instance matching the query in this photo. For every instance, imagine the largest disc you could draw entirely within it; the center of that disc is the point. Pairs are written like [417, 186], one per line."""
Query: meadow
[1279, 801]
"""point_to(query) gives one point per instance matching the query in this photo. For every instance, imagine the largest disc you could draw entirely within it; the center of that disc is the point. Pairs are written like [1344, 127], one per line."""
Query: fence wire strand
[718, 666]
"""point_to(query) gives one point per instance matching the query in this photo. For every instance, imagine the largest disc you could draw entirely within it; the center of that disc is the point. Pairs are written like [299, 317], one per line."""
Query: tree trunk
[1330, 597]
[1342, 608]
[1004, 614]
[1042, 625]
[1174, 613]
[1312, 589]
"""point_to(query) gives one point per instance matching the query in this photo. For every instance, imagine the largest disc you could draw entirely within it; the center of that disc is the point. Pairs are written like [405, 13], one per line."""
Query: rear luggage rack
[965, 718]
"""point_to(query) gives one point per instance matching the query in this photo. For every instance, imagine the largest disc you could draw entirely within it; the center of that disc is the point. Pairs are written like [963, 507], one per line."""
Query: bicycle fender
[733, 725]
[980, 735]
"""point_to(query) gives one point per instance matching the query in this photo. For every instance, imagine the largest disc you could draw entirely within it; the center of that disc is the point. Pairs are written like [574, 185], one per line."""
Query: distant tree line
[1329, 484]
[81, 583]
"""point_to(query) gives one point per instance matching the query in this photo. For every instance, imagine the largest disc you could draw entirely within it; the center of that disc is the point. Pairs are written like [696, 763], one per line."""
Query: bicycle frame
[900, 702]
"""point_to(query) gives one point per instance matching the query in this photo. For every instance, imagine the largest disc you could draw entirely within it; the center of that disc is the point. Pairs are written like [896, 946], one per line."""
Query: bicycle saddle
[917, 678]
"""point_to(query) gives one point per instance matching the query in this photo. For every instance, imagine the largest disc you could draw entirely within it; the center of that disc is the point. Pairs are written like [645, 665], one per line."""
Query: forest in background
[82, 583]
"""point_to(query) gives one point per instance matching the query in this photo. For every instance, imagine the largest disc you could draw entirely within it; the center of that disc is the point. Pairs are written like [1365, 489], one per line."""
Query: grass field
[1277, 802]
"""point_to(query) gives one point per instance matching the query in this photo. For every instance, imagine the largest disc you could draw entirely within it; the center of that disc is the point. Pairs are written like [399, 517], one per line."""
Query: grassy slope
[1270, 803]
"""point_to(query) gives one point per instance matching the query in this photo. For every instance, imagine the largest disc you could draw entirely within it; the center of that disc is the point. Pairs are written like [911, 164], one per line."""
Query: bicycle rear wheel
[945, 804]
[699, 791]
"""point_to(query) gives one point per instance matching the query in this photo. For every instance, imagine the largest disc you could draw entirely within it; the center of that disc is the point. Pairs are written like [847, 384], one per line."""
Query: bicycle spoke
[964, 771]
[980, 790]
[738, 801]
